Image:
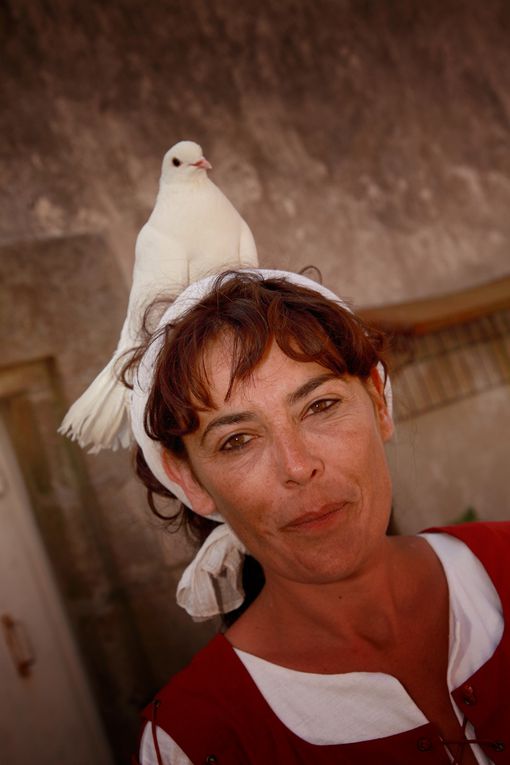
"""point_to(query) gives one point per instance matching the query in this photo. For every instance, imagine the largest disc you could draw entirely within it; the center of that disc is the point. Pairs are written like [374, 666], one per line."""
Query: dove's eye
[176, 162]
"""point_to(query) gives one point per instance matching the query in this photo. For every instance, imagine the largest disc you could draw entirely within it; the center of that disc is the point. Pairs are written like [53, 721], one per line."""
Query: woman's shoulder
[202, 673]
[482, 537]
[474, 529]
[489, 541]
[194, 708]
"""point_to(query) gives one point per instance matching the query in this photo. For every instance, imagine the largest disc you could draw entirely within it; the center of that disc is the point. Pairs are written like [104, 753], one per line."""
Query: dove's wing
[161, 270]
[247, 248]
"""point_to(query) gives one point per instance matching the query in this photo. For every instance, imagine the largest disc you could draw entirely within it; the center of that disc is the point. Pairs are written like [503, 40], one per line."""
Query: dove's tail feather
[99, 418]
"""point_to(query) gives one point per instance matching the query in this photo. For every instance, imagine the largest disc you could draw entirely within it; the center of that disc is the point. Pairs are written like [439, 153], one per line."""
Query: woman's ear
[179, 471]
[375, 386]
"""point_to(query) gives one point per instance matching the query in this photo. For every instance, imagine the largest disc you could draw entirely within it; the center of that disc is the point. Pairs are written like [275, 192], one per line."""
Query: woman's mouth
[316, 519]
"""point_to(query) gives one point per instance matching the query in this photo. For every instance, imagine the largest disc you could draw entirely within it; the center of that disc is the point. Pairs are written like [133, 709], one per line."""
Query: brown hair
[251, 311]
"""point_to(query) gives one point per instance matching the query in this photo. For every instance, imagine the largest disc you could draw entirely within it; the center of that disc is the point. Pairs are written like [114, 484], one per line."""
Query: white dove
[192, 231]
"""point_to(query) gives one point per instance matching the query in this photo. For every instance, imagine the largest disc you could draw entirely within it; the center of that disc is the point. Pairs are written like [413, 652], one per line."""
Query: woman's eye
[322, 405]
[237, 441]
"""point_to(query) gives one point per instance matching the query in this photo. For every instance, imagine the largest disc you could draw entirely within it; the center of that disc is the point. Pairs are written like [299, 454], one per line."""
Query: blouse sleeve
[171, 753]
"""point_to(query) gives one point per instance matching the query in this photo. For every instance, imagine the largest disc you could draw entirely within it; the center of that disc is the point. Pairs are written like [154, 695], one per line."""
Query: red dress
[216, 714]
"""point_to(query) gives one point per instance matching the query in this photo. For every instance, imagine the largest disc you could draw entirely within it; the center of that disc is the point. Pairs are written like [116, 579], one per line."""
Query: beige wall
[451, 459]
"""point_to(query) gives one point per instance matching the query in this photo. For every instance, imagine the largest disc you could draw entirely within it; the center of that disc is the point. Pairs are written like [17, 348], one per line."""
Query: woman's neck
[362, 619]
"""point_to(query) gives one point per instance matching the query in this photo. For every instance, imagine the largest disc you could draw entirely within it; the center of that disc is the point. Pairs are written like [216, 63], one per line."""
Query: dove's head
[184, 162]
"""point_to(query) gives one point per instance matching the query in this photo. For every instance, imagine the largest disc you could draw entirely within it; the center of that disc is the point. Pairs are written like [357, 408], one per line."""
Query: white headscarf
[211, 584]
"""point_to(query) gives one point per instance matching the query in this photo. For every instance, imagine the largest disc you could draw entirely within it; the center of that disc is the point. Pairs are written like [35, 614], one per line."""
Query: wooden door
[46, 710]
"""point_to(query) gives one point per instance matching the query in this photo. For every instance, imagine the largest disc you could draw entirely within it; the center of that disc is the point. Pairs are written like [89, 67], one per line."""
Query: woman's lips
[316, 518]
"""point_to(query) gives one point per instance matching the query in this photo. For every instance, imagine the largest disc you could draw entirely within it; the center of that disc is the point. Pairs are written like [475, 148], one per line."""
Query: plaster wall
[452, 459]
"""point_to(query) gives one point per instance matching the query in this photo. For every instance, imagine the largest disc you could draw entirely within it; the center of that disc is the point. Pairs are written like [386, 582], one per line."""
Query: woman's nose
[297, 461]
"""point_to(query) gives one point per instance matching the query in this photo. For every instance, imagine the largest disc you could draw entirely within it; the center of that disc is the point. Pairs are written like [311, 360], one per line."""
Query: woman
[262, 403]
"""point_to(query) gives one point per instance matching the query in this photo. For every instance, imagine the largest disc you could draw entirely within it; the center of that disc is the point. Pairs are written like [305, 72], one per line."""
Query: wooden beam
[431, 314]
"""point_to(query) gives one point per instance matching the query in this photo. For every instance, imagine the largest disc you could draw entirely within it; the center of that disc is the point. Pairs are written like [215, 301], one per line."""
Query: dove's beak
[203, 164]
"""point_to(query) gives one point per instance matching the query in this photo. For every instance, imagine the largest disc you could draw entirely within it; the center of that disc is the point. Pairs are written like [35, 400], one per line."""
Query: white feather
[193, 231]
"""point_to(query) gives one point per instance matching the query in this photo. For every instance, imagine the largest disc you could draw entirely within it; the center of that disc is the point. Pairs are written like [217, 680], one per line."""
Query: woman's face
[294, 461]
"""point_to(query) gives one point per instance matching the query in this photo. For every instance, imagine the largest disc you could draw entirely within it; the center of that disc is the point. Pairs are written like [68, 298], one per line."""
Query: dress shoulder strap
[490, 542]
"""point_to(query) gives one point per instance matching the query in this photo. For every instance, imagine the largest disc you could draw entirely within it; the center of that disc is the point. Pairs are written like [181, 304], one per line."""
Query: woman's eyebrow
[231, 419]
[226, 419]
[309, 386]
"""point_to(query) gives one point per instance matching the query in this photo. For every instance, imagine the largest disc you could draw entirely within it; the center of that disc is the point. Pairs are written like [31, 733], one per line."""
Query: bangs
[249, 313]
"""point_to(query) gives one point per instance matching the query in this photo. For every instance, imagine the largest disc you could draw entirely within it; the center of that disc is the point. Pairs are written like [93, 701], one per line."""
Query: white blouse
[373, 705]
